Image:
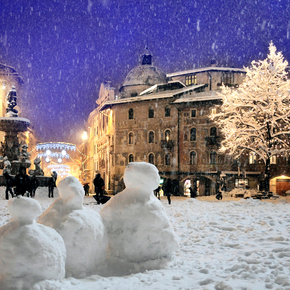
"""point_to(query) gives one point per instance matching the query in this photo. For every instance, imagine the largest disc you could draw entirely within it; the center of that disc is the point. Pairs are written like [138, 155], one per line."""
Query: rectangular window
[193, 113]
[273, 159]
[227, 78]
[190, 80]
[213, 111]
[252, 158]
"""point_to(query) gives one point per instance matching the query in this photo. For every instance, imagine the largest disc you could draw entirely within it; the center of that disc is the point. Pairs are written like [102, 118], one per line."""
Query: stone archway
[206, 184]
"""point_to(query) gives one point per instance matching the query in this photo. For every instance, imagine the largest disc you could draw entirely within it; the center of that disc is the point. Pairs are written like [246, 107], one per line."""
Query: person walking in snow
[21, 182]
[157, 192]
[193, 191]
[33, 186]
[99, 186]
[167, 187]
[9, 184]
[52, 184]
[86, 188]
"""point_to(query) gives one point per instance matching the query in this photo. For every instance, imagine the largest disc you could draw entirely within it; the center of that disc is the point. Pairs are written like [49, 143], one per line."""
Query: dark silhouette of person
[9, 184]
[33, 186]
[157, 192]
[52, 184]
[167, 188]
[86, 188]
[193, 191]
[99, 186]
[21, 182]
[219, 196]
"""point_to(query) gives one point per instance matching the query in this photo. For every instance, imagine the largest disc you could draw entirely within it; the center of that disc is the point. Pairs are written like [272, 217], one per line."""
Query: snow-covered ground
[229, 244]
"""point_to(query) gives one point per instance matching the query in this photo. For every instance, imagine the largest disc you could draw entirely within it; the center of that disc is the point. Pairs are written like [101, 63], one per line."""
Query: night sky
[65, 49]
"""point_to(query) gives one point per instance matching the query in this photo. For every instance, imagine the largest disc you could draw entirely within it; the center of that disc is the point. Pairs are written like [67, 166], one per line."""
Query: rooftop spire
[146, 57]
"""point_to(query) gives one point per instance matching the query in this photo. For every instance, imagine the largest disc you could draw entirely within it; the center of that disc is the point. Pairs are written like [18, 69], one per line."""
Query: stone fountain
[11, 125]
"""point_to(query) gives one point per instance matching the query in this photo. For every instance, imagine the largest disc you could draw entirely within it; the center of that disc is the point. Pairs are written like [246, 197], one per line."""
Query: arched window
[167, 135]
[167, 111]
[131, 158]
[151, 113]
[167, 159]
[151, 137]
[131, 114]
[151, 158]
[131, 138]
[212, 157]
[193, 160]
[192, 134]
[213, 132]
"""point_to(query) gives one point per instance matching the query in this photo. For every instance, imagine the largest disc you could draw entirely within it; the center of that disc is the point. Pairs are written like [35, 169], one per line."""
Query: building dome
[142, 76]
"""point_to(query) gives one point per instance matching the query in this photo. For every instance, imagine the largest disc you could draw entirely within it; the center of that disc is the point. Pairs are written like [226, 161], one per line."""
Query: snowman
[29, 252]
[82, 229]
[139, 230]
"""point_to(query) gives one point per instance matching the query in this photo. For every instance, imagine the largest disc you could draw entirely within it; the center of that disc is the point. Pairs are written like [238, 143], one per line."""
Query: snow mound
[82, 229]
[139, 230]
[29, 252]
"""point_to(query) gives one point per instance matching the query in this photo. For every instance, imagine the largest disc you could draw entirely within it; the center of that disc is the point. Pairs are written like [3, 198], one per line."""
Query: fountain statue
[11, 125]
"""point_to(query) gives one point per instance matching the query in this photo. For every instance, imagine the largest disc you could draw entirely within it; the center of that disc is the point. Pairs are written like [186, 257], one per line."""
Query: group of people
[22, 184]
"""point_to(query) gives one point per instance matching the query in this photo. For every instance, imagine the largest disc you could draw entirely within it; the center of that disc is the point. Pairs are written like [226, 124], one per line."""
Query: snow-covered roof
[159, 95]
[205, 69]
[198, 97]
[156, 87]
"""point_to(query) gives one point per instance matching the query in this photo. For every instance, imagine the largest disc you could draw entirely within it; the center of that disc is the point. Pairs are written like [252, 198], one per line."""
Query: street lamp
[85, 136]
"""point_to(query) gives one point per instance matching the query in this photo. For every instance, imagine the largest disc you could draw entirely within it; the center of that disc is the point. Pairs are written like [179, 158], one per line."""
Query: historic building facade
[163, 119]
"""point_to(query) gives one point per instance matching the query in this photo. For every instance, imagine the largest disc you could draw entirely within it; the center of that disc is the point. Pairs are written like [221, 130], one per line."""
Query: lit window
[151, 158]
[131, 158]
[213, 111]
[151, 137]
[193, 158]
[131, 138]
[252, 158]
[192, 134]
[131, 114]
[273, 159]
[167, 159]
[167, 111]
[167, 135]
[190, 80]
[151, 113]
[212, 157]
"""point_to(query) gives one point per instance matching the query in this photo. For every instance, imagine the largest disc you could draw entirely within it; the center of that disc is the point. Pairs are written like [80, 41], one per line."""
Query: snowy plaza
[229, 244]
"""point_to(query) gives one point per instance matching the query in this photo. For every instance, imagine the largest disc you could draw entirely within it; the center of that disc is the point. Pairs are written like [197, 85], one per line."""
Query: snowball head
[71, 191]
[24, 209]
[141, 175]
[30, 253]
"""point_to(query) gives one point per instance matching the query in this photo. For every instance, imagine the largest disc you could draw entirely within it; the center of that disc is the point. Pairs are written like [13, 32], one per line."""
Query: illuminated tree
[256, 116]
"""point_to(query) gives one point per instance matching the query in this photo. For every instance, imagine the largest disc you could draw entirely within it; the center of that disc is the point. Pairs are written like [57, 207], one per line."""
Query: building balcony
[212, 140]
[167, 144]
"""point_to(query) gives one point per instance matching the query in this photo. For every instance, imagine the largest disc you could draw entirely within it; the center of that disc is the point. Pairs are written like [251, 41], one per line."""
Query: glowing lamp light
[85, 135]
[47, 159]
[59, 160]
[63, 152]
[48, 152]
